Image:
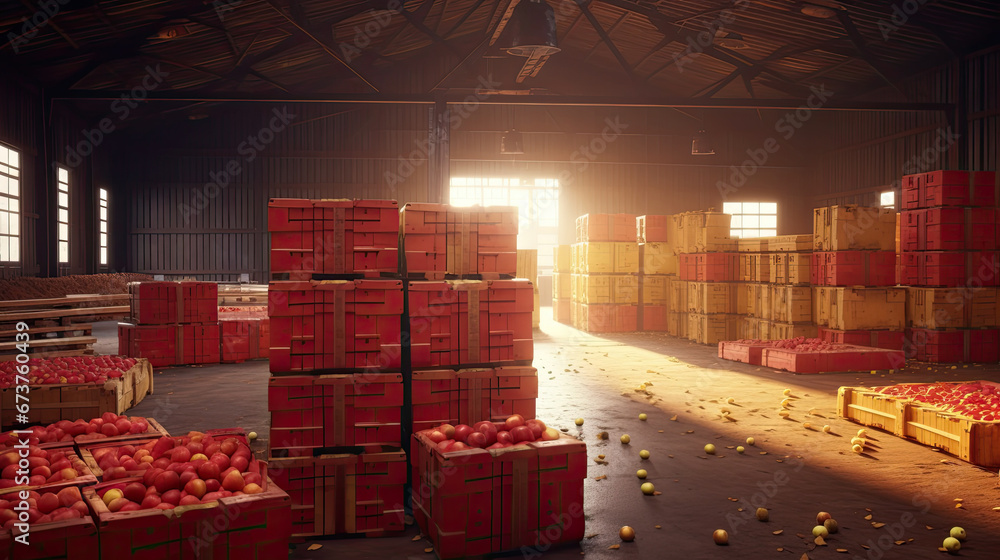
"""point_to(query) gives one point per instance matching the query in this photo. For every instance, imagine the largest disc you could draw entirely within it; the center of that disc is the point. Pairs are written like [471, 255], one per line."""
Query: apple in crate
[45, 506]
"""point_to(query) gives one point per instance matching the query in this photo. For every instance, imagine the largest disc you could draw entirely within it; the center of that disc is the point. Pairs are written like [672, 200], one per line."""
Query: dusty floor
[909, 488]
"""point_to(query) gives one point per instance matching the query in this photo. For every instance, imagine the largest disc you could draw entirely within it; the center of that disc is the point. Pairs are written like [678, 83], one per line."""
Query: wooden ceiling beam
[607, 40]
[468, 13]
[881, 68]
[611, 30]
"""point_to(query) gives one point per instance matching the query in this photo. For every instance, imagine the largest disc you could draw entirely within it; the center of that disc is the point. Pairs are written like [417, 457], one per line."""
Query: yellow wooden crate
[654, 290]
[561, 311]
[791, 304]
[789, 268]
[711, 298]
[677, 293]
[562, 285]
[753, 244]
[562, 258]
[756, 301]
[705, 232]
[752, 328]
[853, 228]
[784, 331]
[657, 258]
[712, 329]
[527, 264]
[861, 308]
[974, 441]
[790, 243]
[609, 288]
[677, 324]
[951, 308]
[609, 258]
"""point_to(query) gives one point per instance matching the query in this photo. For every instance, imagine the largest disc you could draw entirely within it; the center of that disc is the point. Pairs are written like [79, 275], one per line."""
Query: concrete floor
[908, 487]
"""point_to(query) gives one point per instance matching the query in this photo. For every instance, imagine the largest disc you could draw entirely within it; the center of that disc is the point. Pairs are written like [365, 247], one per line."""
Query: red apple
[504, 437]
[165, 481]
[233, 481]
[522, 433]
[448, 430]
[229, 446]
[536, 426]
[48, 503]
[186, 476]
[135, 492]
[208, 470]
[114, 473]
[196, 487]
[150, 501]
[462, 432]
[213, 484]
[252, 478]
[171, 497]
[514, 421]
[550, 434]
[476, 439]
[69, 496]
[436, 436]
[190, 500]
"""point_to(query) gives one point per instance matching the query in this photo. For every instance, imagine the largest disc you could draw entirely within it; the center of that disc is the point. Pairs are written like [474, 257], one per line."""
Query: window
[888, 199]
[10, 205]
[103, 219]
[63, 221]
[752, 219]
[537, 202]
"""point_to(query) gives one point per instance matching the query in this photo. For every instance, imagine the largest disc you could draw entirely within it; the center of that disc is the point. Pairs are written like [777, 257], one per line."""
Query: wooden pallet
[975, 441]
[45, 347]
[15, 317]
[76, 300]
[51, 403]
[76, 329]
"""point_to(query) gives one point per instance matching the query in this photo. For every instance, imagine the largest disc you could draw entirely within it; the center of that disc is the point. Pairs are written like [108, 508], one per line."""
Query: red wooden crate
[336, 494]
[335, 325]
[717, 267]
[454, 323]
[476, 502]
[464, 396]
[199, 344]
[954, 346]
[653, 318]
[424, 229]
[608, 317]
[652, 229]
[606, 227]
[949, 229]
[74, 539]
[235, 340]
[689, 267]
[438, 238]
[951, 269]
[157, 343]
[161, 303]
[333, 236]
[890, 340]
[949, 188]
[745, 351]
[854, 268]
[825, 357]
[247, 526]
[310, 412]
[263, 342]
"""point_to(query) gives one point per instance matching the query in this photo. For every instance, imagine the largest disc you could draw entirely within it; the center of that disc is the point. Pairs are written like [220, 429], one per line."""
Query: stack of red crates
[333, 237]
[949, 238]
[868, 268]
[439, 240]
[336, 355]
[172, 323]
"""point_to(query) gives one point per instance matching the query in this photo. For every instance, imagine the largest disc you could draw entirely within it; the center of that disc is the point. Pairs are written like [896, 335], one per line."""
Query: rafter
[55, 26]
[415, 21]
[611, 30]
[607, 40]
[468, 13]
[300, 28]
[882, 69]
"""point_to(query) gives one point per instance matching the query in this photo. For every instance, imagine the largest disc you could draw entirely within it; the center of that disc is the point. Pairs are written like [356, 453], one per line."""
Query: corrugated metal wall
[619, 160]
[859, 154]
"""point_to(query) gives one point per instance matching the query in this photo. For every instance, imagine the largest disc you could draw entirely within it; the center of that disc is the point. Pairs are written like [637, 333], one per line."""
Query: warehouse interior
[156, 141]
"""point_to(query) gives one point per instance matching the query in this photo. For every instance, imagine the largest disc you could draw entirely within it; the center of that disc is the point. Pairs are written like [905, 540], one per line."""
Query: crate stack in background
[787, 295]
[527, 268]
[658, 267]
[753, 296]
[853, 272]
[606, 283]
[949, 263]
[562, 284]
[709, 274]
[336, 392]
[172, 323]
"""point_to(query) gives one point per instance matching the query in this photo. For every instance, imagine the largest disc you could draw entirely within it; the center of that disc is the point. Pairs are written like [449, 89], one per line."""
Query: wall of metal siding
[181, 225]
[20, 123]
[910, 141]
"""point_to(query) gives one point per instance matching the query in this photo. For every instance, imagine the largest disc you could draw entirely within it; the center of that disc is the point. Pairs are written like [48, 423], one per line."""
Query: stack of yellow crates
[849, 228]
[562, 284]
[527, 267]
[709, 272]
[658, 267]
[606, 268]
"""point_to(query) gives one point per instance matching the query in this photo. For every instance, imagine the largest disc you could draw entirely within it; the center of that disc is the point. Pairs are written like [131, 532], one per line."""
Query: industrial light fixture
[823, 9]
[701, 144]
[512, 143]
[730, 40]
[533, 30]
